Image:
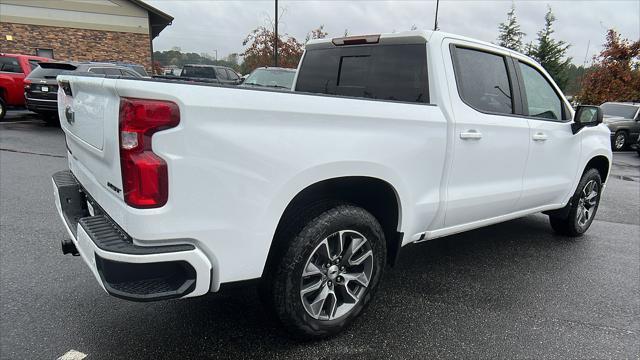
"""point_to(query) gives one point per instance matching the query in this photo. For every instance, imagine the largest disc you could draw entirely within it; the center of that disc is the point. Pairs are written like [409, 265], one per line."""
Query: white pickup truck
[175, 189]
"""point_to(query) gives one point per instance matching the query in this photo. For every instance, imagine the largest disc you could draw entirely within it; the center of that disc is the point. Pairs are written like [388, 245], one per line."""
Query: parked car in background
[623, 119]
[273, 77]
[135, 67]
[13, 70]
[41, 88]
[210, 73]
[175, 189]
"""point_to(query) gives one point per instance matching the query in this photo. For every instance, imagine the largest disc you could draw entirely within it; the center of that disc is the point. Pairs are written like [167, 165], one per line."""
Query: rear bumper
[41, 105]
[124, 269]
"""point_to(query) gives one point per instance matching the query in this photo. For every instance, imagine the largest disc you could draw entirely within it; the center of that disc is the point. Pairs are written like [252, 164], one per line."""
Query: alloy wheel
[336, 275]
[619, 141]
[587, 203]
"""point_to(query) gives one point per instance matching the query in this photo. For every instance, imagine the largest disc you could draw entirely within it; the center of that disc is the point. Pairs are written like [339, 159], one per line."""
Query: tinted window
[42, 73]
[112, 71]
[542, 100]
[9, 64]
[97, 71]
[198, 72]
[130, 73]
[221, 74]
[483, 80]
[33, 64]
[619, 110]
[232, 75]
[385, 72]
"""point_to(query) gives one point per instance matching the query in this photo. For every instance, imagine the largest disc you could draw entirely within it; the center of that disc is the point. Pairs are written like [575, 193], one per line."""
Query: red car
[13, 69]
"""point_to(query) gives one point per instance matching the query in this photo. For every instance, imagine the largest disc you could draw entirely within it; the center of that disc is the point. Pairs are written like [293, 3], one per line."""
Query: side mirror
[586, 115]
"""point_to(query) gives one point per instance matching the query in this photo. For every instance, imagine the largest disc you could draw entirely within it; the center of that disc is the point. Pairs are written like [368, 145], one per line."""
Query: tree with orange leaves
[615, 76]
[260, 50]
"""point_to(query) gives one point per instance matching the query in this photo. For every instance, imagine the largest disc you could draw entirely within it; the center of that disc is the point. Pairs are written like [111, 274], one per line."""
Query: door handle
[471, 134]
[540, 137]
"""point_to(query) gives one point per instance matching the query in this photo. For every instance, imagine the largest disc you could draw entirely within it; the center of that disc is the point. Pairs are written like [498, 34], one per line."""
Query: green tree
[510, 35]
[551, 53]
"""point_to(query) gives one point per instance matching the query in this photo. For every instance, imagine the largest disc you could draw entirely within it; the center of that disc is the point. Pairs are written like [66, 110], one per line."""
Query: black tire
[282, 286]
[619, 137]
[3, 108]
[570, 225]
[50, 118]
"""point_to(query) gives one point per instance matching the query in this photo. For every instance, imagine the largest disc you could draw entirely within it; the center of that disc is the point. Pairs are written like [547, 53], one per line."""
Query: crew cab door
[554, 150]
[490, 143]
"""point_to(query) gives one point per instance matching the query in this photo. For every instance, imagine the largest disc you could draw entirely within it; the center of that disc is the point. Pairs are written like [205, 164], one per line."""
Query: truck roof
[403, 37]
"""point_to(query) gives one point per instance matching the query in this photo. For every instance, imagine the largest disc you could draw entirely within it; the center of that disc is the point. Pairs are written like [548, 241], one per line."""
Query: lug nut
[339, 279]
[341, 268]
[330, 283]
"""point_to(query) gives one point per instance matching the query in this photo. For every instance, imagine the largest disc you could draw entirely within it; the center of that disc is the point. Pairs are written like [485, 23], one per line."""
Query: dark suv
[210, 73]
[623, 119]
[41, 88]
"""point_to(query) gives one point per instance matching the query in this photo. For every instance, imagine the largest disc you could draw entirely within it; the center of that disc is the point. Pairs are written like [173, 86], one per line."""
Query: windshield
[48, 73]
[198, 72]
[620, 110]
[273, 78]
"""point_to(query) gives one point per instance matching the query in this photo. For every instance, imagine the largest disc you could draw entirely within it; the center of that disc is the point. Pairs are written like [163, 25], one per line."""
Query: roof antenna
[435, 23]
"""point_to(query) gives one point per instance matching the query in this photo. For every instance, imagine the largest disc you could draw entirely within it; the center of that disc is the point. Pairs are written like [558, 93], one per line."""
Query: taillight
[27, 84]
[144, 174]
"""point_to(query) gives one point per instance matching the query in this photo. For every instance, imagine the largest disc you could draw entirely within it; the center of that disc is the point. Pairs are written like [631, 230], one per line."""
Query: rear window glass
[45, 73]
[198, 72]
[384, 72]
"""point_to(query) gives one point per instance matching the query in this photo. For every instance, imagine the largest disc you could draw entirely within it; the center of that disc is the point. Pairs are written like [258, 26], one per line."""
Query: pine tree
[510, 35]
[551, 53]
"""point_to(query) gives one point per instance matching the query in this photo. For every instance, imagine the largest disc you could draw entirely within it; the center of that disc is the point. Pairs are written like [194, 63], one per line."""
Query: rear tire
[3, 108]
[582, 207]
[322, 284]
[50, 118]
[619, 141]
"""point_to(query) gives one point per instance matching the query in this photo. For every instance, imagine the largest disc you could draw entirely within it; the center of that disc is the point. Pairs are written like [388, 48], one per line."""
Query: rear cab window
[396, 72]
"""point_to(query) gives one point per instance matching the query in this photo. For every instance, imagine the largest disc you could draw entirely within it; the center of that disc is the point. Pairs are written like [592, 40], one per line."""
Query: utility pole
[435, 23]
[275, 47]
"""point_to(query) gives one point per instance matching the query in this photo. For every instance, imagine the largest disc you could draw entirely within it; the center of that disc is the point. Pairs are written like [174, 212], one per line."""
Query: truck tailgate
[88, 108]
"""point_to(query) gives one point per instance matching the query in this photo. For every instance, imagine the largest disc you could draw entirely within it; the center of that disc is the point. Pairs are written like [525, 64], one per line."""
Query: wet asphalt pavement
[513, 290]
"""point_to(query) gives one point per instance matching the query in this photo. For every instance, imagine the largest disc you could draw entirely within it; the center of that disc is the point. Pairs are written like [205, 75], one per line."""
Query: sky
[210, 26]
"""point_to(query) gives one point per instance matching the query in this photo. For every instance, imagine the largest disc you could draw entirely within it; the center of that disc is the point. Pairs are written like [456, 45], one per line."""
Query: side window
[112, 71]
[33, 64]
[384, 72]
[222, 75]
[10, 64]
[542, 100]
[232, 75]
[483, 80]
[97, 71]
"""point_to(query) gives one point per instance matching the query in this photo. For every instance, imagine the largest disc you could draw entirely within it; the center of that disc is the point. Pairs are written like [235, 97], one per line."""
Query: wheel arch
[600, 163]
[373, 194]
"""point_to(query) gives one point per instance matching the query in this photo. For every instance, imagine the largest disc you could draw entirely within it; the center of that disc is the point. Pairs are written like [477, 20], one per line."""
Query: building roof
[158, 20]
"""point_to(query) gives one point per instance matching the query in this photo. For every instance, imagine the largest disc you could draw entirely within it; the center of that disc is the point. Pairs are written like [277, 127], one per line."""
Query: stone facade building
[103, 30]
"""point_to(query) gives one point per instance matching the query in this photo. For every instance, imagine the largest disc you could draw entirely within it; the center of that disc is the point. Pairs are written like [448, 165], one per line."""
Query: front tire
[329, 273]
[619, 141]
[582, 207]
